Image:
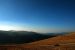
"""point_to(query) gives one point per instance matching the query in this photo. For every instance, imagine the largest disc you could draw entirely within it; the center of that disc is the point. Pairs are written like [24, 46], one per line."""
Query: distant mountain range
[20, 37]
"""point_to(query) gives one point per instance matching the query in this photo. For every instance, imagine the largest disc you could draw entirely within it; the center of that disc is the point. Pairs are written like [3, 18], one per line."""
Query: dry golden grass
[69, 38]
[65, 42]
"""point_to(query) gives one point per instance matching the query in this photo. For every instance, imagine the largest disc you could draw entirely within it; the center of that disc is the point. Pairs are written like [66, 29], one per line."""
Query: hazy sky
[37, 15]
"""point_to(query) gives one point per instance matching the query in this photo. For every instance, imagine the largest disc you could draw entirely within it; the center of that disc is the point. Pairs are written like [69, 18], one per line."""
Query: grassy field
[47, 47]
[65, 42]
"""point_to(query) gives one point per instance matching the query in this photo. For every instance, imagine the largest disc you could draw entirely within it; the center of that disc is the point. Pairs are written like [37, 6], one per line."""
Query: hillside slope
[21, 37]
[55, 41]
[62, 42]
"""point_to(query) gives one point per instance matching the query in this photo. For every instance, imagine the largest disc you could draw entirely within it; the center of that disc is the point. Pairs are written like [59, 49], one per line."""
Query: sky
[38, 15]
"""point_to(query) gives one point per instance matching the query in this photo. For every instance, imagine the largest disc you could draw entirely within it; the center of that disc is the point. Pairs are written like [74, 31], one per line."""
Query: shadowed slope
[21, 37]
